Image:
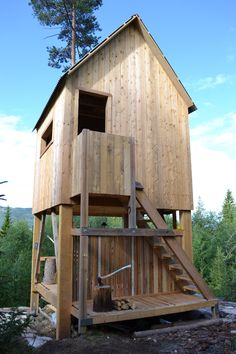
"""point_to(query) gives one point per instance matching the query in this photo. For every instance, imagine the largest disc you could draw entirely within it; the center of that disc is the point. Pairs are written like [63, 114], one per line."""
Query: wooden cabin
[113, 140]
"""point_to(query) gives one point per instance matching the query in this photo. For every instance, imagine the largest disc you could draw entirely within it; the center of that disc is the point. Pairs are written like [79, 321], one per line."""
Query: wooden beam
[103, 210]
[178, 327]
[64, 273]
[55, 234]
[38, 249]
[47, 294]
[44, 258]
[150, 209]
[83, 254]
[34, 299]
[127, 232]
[132, 207]
[186, 223]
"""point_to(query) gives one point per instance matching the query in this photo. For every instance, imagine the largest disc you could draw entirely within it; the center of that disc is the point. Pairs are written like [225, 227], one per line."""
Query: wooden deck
[145, 305]
[148, 306]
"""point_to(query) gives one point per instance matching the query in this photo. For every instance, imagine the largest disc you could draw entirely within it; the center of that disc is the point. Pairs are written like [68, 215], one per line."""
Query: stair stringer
[168, 262]
[174, 246]
[143, 224]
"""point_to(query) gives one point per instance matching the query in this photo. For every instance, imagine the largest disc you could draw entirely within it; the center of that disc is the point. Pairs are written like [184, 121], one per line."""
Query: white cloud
[211, 82]
[214, 160]
[17, 149]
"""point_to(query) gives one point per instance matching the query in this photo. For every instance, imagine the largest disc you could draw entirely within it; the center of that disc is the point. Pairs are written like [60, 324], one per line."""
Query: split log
[123, 304]
[102, 299]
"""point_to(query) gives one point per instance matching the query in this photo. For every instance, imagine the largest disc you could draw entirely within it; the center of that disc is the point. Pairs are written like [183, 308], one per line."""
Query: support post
[215, 311]
[83, 254]
[34, 299]
[55, 234]
[132, 208]
[186, 223]
[64, 273]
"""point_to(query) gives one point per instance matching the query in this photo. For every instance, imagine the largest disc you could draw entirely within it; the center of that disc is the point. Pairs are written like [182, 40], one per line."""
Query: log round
[50, 271]
[102, 299]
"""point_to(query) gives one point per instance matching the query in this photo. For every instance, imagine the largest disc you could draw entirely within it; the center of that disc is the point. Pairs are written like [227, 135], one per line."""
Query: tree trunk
[73, 38]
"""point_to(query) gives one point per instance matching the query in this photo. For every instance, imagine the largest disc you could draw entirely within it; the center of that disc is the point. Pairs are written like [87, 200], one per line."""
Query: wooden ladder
[170, 250]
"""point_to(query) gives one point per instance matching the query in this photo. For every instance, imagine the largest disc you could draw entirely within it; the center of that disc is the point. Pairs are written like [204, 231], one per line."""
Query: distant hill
[18, 214]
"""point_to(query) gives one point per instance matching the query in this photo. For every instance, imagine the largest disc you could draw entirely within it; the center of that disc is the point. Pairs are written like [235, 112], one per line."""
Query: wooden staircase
[170, 251]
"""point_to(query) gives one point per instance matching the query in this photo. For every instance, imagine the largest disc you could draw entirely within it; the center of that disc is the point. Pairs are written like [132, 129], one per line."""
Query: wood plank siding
[116, 253]
[146, 106]
[142, 103]
[108, 163]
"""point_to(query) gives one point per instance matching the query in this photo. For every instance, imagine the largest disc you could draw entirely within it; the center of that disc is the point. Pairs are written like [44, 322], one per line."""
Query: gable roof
[135, 19]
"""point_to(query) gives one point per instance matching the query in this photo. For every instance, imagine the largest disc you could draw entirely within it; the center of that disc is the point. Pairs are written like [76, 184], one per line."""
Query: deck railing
[107, 161]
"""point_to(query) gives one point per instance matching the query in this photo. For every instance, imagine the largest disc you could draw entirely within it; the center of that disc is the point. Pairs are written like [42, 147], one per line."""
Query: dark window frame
[46, 138]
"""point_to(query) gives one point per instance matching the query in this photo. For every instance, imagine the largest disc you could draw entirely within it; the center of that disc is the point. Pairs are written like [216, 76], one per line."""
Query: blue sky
[197, 37]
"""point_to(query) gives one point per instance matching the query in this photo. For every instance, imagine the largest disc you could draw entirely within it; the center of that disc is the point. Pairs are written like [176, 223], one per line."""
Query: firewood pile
[123, 304]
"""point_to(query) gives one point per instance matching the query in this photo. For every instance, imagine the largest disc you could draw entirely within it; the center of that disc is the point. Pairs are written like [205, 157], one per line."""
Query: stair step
[175, 267]
[166, 256]
[159, 245]
[183, 277]
[191, 288]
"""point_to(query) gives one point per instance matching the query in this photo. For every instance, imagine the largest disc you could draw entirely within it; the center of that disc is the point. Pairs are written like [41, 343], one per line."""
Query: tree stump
[50, 271]
[102, 299]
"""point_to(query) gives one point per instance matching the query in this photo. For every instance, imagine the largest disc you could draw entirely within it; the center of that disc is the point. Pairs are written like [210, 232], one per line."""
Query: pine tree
[229, 208]
[6, 223]
[77, 27]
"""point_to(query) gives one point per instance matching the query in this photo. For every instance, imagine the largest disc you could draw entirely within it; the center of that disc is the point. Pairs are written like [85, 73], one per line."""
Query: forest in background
[214, 250]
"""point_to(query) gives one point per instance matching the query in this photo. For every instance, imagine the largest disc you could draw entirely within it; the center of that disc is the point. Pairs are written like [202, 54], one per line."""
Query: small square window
[46, 138]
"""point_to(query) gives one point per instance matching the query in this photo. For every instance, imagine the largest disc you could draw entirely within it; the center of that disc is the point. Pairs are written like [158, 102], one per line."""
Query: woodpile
[123, 304]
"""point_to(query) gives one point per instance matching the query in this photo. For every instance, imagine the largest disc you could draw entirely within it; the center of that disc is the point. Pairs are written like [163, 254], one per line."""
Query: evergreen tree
[15, 265]
[205, 225]
[77, 27]
[218, 274]
[229, 208]
[6, 222]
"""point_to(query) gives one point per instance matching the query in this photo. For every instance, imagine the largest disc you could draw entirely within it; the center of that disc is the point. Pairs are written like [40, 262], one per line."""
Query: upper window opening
[46, 138]
[92, 109]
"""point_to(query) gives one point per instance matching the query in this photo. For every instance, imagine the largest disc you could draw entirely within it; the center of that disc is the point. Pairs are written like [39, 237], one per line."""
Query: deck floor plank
[145, 305]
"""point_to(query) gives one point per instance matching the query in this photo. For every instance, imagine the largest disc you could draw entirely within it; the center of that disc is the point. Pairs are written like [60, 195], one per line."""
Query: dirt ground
[213, 339]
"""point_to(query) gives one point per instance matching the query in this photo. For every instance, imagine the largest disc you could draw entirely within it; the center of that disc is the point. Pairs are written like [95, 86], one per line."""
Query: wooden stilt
[55, 234]
[83, 256]
[215, 311]
[132, 210]
[186, 223]
[64, 274]
[174, 223]
[34, 299]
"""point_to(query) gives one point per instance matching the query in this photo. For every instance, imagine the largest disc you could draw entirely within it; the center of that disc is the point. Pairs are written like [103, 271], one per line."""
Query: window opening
[46, 138]
[92, 111]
